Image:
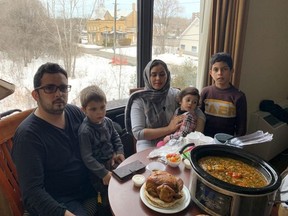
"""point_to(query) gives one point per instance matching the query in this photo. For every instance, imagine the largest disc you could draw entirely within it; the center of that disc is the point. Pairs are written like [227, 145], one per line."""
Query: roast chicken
[165, 186]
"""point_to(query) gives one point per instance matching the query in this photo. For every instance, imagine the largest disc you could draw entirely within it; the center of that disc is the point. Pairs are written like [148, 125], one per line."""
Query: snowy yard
[115, 80]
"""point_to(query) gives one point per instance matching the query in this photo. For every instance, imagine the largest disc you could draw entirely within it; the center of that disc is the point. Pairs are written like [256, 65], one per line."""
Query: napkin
[253, 138]
[284, 195]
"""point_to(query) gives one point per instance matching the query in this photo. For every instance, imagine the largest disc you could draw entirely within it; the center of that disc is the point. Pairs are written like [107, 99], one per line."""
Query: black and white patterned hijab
[154, 100]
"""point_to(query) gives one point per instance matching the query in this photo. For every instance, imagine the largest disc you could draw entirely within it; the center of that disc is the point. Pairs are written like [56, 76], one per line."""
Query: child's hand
[119, 158]
[107, 178]
[113, 160]
[166, 139]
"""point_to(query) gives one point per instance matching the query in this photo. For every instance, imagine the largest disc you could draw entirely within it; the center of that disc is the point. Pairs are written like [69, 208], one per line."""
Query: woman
[150, 112]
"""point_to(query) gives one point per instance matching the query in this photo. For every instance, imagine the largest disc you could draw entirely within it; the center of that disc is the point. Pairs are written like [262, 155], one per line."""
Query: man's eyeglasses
[50, 89]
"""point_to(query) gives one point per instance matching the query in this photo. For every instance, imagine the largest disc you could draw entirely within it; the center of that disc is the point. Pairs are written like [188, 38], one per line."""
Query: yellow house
[100, 28]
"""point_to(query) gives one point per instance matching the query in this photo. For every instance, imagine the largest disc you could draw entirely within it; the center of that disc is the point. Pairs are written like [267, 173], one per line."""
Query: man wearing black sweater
[53, 179]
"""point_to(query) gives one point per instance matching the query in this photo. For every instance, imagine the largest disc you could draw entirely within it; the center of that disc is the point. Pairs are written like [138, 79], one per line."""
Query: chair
[128, 134]
[126, 138]
[135, 89]
[9, 185]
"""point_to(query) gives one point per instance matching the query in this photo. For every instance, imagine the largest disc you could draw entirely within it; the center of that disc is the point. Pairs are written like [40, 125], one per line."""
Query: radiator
[268, 123]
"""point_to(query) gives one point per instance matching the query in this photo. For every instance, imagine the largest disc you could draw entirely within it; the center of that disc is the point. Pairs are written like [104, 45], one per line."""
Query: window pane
[176, 38]
[79, 35]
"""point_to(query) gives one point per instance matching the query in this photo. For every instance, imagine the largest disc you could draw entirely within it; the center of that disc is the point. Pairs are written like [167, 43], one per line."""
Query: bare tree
[164, 11]
[67, 30]
[184, 74]
[22, 34]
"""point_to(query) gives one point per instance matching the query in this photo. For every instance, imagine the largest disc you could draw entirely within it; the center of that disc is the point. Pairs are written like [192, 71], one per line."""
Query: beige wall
[265, 61]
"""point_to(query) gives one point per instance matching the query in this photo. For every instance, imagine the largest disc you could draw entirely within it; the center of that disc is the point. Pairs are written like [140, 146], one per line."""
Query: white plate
[181, 206]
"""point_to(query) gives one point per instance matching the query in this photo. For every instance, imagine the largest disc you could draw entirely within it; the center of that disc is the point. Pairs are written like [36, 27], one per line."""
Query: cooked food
[163, 189]
[233, 171]
[173, 157]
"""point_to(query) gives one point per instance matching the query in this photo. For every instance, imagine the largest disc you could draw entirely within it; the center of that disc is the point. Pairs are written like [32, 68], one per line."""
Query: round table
[125, 199]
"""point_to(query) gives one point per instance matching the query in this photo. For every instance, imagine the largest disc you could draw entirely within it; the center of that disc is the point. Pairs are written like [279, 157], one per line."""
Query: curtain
[204, 43]
[227, 27]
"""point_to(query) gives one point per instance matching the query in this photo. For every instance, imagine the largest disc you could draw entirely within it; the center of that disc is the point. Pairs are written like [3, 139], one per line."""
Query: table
[125, 199]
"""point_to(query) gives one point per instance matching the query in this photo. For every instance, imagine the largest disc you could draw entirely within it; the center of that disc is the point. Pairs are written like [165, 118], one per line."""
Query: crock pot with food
[226, 180]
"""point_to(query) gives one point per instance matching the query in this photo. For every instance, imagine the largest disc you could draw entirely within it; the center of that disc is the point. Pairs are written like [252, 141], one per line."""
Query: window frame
[145, 10]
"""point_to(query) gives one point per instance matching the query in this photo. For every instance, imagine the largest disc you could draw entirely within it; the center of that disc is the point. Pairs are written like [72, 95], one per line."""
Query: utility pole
[115, 16]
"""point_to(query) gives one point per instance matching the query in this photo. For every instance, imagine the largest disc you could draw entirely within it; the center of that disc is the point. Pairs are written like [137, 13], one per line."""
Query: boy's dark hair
[50, 68]
[187, 91]
[221, 57]
[92, 93]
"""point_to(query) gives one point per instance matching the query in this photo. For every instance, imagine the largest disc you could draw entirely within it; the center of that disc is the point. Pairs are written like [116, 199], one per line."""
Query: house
[100, 27]
[189, 39]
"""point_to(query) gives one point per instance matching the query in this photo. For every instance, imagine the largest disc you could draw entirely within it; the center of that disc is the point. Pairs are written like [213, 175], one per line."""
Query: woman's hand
[175, 123]
[155, 133]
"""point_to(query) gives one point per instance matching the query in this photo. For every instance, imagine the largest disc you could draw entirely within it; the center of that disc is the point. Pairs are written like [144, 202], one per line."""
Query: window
[96, 42]
[175, 30]
[194, 49]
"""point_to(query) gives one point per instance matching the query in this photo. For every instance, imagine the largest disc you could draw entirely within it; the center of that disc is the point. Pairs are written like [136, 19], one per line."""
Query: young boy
[188, 99]
[100, 144]
[224, 105]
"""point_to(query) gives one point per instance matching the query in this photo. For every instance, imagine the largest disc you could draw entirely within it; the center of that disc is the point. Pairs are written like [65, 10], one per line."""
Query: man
[52, 176]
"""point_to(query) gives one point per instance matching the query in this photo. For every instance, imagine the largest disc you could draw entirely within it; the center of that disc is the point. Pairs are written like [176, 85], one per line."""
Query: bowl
[193, 137]
[138, 180]
[187, 164]
[155, 165]
[173, 159]
[204, 140]
[221, 138]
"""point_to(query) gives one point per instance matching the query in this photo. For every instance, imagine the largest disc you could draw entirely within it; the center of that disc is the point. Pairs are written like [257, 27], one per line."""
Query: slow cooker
[217, 197]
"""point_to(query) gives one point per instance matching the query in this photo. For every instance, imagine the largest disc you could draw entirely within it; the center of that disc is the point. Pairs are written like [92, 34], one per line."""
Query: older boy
[224, 105]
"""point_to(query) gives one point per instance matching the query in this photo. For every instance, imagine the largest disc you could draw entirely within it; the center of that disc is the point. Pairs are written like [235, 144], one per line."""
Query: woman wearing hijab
[150, 112]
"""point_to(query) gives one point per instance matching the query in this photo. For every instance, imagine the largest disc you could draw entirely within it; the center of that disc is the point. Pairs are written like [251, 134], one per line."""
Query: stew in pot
[233, 171]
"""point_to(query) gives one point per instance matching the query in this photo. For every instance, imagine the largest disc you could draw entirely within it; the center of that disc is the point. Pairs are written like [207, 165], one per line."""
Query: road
[97, 52]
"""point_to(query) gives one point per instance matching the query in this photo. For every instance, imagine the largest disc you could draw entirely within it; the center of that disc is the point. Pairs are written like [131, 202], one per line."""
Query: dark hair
[159, 62]
[92, 93]
[221, 57]
[187, 91]
[50, 68]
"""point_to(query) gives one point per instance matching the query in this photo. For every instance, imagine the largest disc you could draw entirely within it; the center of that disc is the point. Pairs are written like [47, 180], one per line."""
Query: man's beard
[56, 108]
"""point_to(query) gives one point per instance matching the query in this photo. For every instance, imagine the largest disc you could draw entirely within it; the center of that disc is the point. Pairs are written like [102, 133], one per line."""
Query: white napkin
[284, 187]
[254, 138]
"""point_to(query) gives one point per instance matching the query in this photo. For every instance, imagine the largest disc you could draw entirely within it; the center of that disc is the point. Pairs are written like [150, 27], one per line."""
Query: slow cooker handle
[183, 148]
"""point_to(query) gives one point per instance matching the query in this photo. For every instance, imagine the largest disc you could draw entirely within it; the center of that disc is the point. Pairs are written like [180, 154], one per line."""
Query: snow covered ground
[115, 80]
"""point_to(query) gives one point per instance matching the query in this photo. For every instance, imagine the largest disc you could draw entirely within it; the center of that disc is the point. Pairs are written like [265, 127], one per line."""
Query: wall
[265, 61]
